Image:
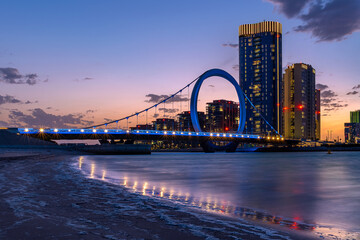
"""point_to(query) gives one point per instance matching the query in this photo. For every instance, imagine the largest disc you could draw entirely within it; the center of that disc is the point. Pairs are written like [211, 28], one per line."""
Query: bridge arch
[195, 93]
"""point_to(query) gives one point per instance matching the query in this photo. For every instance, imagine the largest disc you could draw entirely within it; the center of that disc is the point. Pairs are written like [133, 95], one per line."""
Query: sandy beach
[43, 197]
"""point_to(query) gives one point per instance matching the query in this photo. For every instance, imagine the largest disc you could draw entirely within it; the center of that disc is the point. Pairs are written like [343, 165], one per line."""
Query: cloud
[154, 98]
[39, 118]
[352, 93]
[356, 87]
[290, 8]
[331, 20]
[90, 111]
[232, 45]
[236, 67]
[328, 94]
[8, 99]
[211, 86]
[13, 76]
[83, 79]
[168, 110]
[321, 87]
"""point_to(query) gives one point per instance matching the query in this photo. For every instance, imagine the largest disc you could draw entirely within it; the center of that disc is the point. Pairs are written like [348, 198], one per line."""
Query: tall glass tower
[260, 51]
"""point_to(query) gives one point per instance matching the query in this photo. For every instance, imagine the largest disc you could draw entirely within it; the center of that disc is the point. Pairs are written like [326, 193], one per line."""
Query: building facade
[222, 116]
[260, 53]
[164, 124]
[317, 115]
[355, 117]
[300, 103]
[184, 122]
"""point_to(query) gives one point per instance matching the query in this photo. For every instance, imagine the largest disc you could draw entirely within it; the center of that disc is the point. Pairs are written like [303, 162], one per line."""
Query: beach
[44, 197]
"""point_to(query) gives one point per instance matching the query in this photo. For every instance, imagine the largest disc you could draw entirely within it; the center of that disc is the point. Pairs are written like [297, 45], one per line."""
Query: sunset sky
[77, 63]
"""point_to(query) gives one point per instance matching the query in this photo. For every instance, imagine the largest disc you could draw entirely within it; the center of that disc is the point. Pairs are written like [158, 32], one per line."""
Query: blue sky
[106, 56]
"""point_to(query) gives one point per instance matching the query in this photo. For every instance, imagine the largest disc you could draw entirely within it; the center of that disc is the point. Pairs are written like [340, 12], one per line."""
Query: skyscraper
[300, 102]
[260, 51]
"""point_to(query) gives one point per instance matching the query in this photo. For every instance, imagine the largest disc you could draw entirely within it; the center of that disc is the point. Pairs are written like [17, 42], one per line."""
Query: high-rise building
[317, 115]
[222, 116]
[300, 102]
[355, 117]
[260, 51]
[184, 122]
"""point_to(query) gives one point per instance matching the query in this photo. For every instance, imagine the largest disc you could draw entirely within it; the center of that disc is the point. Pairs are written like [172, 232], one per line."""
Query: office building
[222, 116]
[260, 51]
[300, 102]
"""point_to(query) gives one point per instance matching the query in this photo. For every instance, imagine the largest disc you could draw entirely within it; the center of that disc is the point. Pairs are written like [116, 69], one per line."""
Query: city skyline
[80, 67]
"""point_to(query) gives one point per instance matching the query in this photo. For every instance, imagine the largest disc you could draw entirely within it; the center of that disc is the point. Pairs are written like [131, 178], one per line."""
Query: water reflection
[216, 204]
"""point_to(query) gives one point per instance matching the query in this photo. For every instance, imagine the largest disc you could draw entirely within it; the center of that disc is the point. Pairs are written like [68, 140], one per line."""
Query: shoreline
[47, 198]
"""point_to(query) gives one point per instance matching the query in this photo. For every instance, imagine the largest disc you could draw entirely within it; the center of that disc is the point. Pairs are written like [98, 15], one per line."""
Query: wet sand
[43, 197]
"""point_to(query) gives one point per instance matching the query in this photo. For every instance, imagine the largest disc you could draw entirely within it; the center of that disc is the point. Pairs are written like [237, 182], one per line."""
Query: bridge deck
[53, 133]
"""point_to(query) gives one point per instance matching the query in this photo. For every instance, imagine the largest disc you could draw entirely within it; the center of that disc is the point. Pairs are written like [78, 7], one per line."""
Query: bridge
[206, 139]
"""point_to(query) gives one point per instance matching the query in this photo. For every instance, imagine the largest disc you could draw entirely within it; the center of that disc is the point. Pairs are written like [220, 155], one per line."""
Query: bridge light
[165, 132]
[258, 136]
[26, 129]
[82, 130]
[106, 130]
[218, 134]
[137, 131]
[182, 133]
[94, 130]
[127, 131]
[197, 133]
[56, 130]
[242, 136]
[41, 130]
[173, 133]
[189, 133]
[224, 135]
[211, 134]
[268, 138]
[248, 136]
[230, 135]
[69, 130]
[147, 131]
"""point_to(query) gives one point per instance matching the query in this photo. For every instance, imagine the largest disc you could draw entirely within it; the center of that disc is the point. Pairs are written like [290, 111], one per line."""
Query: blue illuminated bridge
[111, 131]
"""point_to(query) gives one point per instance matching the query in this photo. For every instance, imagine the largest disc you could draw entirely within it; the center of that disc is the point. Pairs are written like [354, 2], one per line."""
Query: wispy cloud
[321, 87]
[356, 87]
[13, 76]
[352, 93]
[232, 45]
[154, 98]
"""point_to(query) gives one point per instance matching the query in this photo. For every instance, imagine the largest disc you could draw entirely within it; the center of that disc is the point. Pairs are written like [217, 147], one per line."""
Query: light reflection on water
[294, 191]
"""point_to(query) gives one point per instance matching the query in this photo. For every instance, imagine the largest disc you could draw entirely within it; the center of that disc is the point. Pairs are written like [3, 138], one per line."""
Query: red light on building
[226, 129]
[278, 104]
[300, 107]
[317, 112]
[285, 108]
[277, 35]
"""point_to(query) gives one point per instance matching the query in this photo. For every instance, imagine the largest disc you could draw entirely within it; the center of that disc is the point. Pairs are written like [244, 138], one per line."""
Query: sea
[303, 191]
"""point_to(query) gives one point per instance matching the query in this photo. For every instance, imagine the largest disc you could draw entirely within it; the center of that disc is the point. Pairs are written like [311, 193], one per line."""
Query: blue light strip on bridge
[138, 132]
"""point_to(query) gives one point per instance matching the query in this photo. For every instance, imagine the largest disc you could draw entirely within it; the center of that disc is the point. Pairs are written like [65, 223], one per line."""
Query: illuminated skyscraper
[260, 50]
[300, 102]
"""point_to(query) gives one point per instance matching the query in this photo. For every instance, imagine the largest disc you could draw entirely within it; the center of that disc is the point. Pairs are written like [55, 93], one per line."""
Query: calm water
[308, 191]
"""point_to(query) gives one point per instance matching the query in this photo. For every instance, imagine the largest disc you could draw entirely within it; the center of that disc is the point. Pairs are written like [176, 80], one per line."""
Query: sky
[77, 63]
